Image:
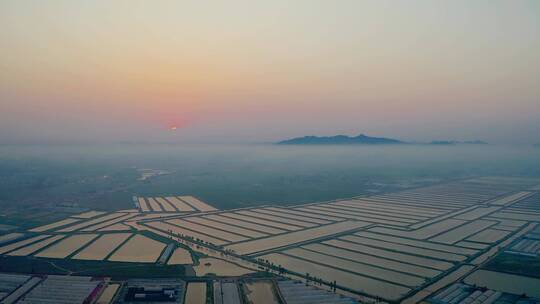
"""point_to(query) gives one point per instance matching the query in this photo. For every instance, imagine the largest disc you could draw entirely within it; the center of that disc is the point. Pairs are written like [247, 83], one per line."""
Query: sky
[259, 71]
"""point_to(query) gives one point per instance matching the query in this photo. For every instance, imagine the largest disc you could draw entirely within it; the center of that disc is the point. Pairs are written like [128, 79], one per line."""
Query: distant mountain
[442, 142]
[475, 142]
[454, 142]
[340, 140]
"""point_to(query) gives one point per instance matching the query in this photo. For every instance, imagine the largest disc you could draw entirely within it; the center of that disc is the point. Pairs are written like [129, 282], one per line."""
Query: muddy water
[101, 247]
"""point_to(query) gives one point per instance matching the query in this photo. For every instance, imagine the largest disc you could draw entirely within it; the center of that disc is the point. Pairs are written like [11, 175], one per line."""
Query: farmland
[138, 249]
[102, 247]
[397, 246]
[261, 292]
[67, 246]
[196, 293]
[173, 204]
[180, 256]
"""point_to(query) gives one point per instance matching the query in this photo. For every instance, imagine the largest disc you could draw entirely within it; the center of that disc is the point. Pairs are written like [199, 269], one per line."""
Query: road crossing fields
[392, 246]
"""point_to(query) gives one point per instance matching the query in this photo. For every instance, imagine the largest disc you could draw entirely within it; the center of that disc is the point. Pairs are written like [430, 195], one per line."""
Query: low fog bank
[231, 176]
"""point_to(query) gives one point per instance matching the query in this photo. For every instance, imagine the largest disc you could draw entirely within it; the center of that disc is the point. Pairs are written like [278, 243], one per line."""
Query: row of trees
[270, 266]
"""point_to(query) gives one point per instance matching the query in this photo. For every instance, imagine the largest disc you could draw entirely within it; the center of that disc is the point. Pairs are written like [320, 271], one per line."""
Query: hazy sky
[266, 70]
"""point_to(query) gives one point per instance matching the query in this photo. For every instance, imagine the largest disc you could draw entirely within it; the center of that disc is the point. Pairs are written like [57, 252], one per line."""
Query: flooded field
[143, 205]
[115, 227]
[404, 248]
[260, 221]
[109, 223]
[391, 254]
[196, 293]
[244, 224]
[413, 218]
[360, 205]
[472, 245]
[292, 216]
[416, 243]
[489, 236]
[138, 249]
[494, 249]
[385, 201]
[36, 246]
[225, 227]
[384, 246]
[179, 204]
[178, 230]
[256, 215]
[329, 212]
[197, 204]
[306, 214]
[102, 247]
[154, 204]
[356, 267]
[373, 260]
[231, 237]
[148, 216]
[516, 216]
[477, 213]
[505, 201]
[505, 282]
[54, 225]
[376, 218]
[294, 237]
[22, 243]
[108, 294]
[462, 232]
[425, 232]
[66, 246]
[10, 237]
[91, 222]
[165, 205]
[226, 292]
[438, 285]
[180, 256]
[343, 278]
[261, 292]
[219, 267]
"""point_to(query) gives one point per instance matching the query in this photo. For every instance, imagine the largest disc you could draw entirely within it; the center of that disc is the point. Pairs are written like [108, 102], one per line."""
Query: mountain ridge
[339, 139]
[363, 139]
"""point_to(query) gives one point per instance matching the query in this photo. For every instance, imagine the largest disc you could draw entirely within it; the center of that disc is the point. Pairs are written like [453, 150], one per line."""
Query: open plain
[395, 246]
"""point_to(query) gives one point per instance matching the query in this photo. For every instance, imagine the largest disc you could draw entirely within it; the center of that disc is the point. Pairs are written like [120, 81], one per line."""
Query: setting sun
[270, 151]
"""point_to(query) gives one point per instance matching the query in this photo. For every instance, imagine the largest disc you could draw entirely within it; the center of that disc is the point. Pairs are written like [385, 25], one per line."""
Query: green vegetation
[209, 292]
[30, 217]
[516, 264]
[117, 270]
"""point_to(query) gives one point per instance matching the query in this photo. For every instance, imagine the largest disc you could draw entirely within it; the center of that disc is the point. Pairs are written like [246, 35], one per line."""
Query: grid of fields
[251, 230]
[11, 247]
[138, 249]
[417, 237]
[120, 247]
[393, 246]
[54, 225]
[102, 247]
[30, 249]
[173, 204]
[530, 204]
[67, 246]
[388, 246]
